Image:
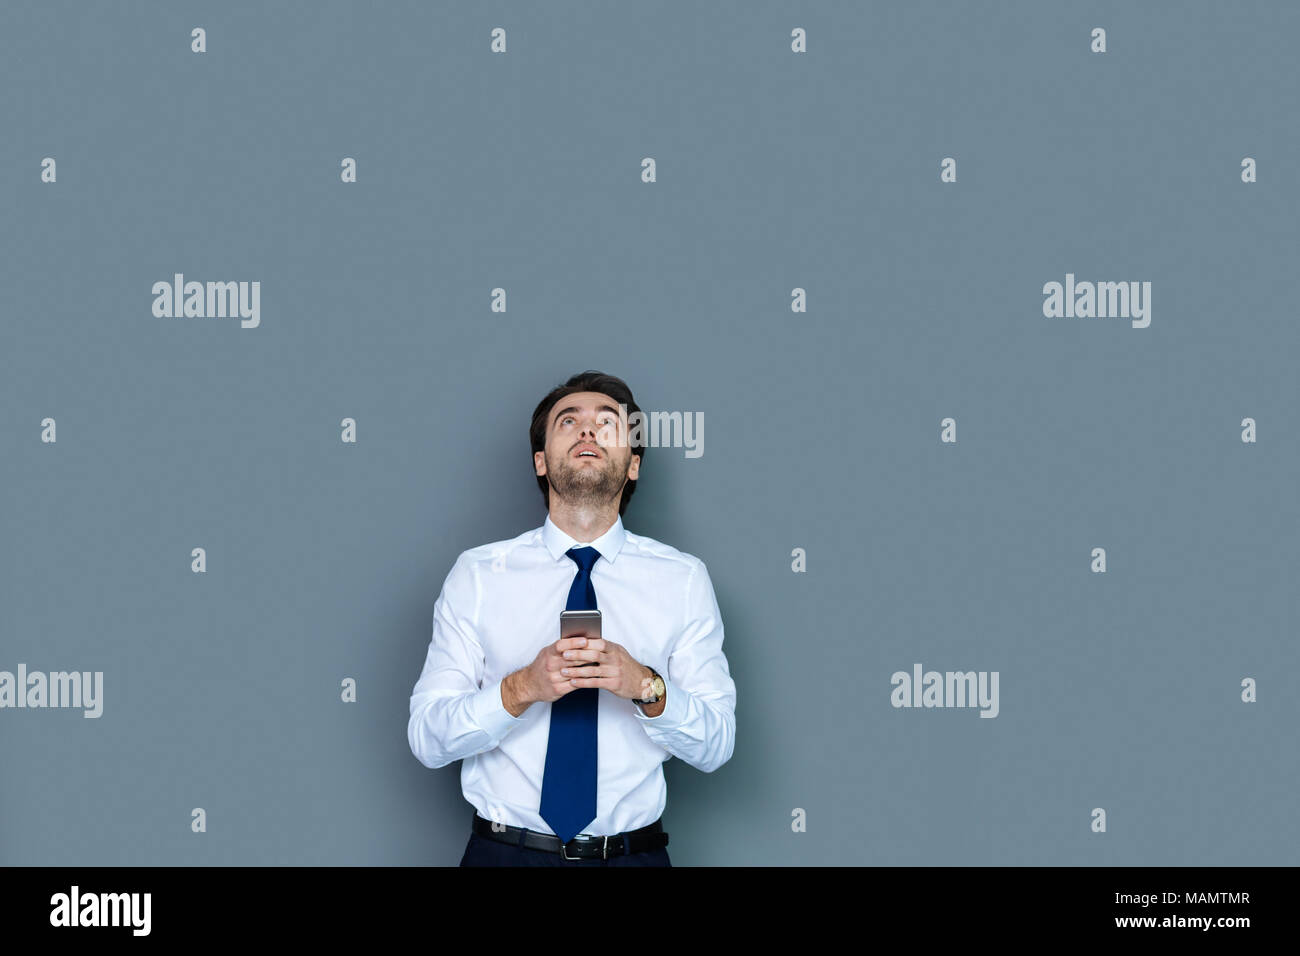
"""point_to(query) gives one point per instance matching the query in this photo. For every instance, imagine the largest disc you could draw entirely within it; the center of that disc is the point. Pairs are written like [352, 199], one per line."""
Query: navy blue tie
[569, 780]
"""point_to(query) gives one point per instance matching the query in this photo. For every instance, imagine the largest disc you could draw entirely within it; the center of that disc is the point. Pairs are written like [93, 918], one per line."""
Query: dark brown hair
[589, 381]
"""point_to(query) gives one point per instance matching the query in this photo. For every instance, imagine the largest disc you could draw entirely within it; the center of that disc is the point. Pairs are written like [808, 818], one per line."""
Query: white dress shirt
[501, 604]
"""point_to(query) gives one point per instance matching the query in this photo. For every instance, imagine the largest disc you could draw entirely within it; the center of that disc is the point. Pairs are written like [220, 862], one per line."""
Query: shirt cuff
[674, 708]
[490, 712]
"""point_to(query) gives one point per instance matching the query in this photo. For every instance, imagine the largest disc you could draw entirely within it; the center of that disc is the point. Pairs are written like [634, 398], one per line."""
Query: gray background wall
[775, 170]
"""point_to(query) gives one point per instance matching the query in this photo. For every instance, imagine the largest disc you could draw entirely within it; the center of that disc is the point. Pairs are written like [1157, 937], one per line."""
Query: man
[563, 740]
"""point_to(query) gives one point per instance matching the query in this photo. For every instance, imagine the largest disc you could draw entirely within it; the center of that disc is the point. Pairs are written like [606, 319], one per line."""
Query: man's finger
[583, 654]
[609, 683]
[566, 643]
[586, 670]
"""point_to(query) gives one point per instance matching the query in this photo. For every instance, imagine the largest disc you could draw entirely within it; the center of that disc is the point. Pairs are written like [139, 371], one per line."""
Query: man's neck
[583, 523]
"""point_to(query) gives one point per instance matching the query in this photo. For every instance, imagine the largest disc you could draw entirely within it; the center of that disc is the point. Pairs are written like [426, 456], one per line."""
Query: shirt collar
[608, 544]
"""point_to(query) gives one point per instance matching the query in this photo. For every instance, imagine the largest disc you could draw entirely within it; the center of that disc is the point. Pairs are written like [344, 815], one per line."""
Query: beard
[583, 485]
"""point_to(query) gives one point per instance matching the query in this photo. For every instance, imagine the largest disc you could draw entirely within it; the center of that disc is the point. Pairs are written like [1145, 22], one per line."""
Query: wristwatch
[657, 685]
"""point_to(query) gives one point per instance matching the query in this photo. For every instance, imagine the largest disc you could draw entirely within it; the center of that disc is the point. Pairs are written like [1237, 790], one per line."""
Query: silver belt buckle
[604, 850]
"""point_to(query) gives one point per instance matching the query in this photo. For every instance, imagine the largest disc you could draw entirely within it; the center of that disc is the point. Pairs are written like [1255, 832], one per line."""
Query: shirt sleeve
[698, 723]
[453, 715]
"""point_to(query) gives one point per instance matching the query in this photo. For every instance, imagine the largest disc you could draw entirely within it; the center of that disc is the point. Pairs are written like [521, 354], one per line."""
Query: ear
[539, 462]
[634, 468]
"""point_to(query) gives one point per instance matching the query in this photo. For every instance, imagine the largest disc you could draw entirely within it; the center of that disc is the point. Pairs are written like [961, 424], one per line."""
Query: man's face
[587, 459]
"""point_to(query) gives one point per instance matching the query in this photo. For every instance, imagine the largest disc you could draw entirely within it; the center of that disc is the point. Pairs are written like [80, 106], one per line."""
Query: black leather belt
[580, 847]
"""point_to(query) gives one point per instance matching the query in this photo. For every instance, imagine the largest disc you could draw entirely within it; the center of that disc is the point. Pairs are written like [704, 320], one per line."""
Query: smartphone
[574, 623]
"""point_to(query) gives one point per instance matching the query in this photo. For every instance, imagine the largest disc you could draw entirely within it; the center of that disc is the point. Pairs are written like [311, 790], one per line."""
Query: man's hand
[541, 680]
[573, 662]
[608, 666]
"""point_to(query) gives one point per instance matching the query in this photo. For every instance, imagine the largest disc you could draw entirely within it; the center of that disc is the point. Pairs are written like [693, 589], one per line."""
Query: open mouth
[586, 453]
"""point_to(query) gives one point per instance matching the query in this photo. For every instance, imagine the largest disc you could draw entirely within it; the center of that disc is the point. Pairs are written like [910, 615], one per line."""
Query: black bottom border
[335, 904]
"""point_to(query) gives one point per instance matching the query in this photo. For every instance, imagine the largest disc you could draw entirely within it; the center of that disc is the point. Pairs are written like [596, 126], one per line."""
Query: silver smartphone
[586, 623]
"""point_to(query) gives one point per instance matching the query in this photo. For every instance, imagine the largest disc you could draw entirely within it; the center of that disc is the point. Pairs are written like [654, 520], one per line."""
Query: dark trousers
[482, 852]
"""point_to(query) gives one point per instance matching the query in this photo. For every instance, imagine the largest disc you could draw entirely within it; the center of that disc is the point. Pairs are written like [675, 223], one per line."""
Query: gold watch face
[658, 686]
